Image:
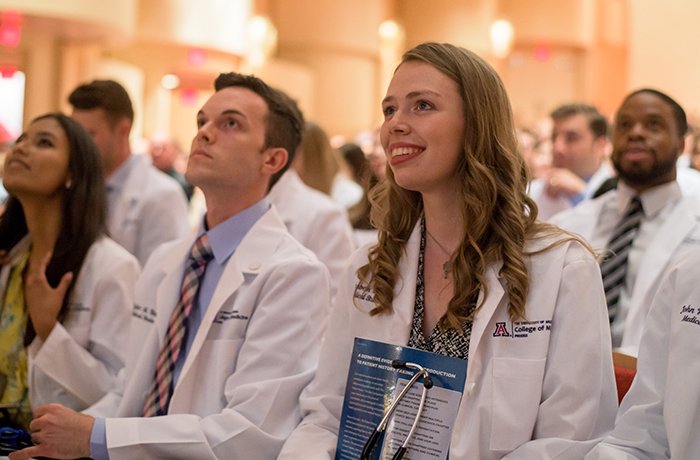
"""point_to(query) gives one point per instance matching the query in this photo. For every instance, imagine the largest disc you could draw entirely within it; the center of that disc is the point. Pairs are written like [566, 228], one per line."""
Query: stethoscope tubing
[427, 384]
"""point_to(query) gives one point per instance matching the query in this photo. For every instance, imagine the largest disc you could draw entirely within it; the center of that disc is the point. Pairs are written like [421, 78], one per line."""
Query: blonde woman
[461, 260]
[322, 167]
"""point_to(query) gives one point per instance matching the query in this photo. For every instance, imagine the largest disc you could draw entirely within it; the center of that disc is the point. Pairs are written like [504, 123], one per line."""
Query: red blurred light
[196, 57]
[8, 71]
[10, 28]
[542, 52]
[188, 97]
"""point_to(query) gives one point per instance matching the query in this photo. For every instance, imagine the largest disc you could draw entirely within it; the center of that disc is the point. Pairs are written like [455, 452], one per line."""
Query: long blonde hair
[498, 214]
[320, 162]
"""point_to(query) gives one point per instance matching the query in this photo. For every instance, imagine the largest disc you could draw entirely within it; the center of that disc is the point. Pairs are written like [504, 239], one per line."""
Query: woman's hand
[44, 302]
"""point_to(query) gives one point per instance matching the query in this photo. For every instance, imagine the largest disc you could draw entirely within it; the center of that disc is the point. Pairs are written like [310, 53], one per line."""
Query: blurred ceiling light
[170, 81]
[502, 33]
[262, 40]
[389, 29]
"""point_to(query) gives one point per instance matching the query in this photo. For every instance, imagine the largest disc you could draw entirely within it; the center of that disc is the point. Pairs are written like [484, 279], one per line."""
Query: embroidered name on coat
[144, 313]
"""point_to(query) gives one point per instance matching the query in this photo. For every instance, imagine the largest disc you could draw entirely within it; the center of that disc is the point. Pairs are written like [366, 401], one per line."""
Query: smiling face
[423, 130]
[646, 142]
[37, 166]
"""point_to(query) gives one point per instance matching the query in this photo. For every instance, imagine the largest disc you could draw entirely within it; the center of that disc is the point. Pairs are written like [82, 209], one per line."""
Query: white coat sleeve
[579, 397]
[276, 361]
[321, 403]
[640, 431]
[88, 373]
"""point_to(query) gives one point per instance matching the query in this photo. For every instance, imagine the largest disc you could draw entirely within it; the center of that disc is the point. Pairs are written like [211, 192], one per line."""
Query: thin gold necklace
[447, 266]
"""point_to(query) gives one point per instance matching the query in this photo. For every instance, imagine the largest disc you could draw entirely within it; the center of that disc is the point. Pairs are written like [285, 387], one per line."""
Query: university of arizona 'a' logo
[501, 330]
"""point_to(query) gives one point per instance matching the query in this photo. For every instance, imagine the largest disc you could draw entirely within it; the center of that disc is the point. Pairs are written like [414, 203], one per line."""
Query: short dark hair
[103, 94]
[596, 122]
[678, 112]
[285, 121]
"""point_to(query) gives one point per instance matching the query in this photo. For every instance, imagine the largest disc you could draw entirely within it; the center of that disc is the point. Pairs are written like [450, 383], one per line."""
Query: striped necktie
[613, 267]
[162, 387]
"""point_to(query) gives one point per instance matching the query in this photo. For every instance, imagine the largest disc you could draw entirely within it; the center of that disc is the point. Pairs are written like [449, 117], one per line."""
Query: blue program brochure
[372, 386]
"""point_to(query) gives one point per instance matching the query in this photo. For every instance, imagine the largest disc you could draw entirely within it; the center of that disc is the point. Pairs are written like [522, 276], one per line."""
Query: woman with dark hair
[464, 269]
[65, 288]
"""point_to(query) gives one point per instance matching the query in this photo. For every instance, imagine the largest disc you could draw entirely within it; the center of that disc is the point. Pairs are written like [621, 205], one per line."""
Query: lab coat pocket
[517, 390]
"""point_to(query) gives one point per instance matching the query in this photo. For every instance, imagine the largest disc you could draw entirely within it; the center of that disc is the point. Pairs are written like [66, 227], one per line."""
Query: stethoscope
[427, 384]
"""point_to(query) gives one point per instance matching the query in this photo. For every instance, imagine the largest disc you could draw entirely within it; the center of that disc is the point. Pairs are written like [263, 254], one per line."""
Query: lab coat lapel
[405, 290]
[256, 247]
[488, 309]
[670, 236]
[589, 220]
[144, 351]
[168, 290]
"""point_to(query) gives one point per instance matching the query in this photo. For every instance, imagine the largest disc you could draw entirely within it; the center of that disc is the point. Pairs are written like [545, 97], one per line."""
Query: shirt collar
[227, 236]
[653, 199]
[118, 178]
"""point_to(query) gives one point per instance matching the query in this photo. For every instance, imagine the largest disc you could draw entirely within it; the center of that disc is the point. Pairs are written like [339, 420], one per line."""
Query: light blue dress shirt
[224, 239]
[116, 182]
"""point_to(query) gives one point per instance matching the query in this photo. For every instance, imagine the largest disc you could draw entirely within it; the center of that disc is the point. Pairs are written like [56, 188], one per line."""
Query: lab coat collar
[285, 192]
[653, 200]
[256, 248]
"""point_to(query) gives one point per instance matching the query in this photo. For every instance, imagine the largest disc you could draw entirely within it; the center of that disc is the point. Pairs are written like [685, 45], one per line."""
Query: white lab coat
[678, 233]
[255, 350]
[556, 384]
[316, 221]
[150, 210]
[548, 206]
[79, 361]
[658, 419]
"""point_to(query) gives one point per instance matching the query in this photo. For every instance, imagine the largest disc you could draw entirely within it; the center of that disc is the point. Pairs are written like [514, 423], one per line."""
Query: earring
[69, 184]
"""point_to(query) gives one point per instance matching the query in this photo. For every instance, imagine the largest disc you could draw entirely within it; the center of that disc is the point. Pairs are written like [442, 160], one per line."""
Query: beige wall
[339, 45]
[664, 41]
[462, 22]
[586, 40]
[330, 58]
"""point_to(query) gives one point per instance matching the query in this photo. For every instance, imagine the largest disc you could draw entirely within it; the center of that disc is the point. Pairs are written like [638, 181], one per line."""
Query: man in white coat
[145, 207]
[316, 221]
[658, 419]
[579, 141]
[252, 337]
[647, 139]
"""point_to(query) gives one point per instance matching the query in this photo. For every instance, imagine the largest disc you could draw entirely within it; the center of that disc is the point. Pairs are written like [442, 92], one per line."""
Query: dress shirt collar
[117, 180]
[225, 237]
[653, 199]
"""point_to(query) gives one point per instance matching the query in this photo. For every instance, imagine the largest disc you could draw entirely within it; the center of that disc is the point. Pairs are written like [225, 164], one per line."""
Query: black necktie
[614, 265]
